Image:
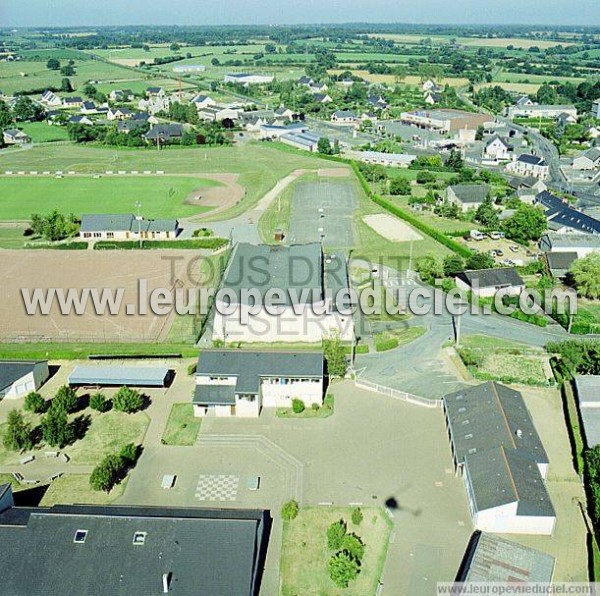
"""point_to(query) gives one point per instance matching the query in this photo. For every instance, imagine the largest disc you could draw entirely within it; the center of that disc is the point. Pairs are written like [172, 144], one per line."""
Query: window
[110, 234]
[139, 538]
[80, 536]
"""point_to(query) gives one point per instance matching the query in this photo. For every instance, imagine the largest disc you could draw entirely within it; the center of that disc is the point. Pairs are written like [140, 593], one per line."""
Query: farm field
[161, 196]
[258, 168]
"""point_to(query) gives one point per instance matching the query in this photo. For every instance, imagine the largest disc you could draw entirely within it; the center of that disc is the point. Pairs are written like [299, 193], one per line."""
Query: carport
[133, 376]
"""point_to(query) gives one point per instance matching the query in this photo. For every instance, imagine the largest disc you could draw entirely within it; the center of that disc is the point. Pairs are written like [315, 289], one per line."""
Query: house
[485, 283]
[126, 227]
[582, 244]
[306, 280]
[343, 117]
[203, 101]
[127, 126]
[246, 79]
[444, 120]
[105, 550]
[497, 149]
[283, 112]
[430, 85]
[394, 160]
[529, 183]
[80, 120]
[318, 88]
[304, 80]
[523, 101]
[347, 83]
[189, 68]
[433, 98]
[535, 110]
[492, 437]
[491, 559]
[467, 196]
[50, 99]
[239, 382]
[588, 160]
[307, 141]
[377, 102]
[529, 165]
[14, 136]
[121, 95]
[154, 92]
[164, 133]
[564, 119]
[322, 98]
[19, 377]
[119, 114]
[559, 263]
[218, 113]
[596, 109]
[587, 391]
[88, 107]
[72, 102]
[563, 218]
[154, 104]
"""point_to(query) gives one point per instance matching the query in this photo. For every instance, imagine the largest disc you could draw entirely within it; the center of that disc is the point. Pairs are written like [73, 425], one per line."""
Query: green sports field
[161, 196]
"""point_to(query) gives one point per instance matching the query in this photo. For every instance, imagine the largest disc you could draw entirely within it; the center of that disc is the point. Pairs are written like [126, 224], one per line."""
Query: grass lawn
[106, 434]
[182, 426]
[161, 196]
[324, 411]
[258, 165]
[397, 337]
[12, 237]
[40, 132]
[16, 486]
[511, 362]
[76, 489]
[305, 554]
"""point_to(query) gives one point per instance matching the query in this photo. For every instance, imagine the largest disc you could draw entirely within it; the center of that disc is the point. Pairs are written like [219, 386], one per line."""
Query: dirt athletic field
[81, 269]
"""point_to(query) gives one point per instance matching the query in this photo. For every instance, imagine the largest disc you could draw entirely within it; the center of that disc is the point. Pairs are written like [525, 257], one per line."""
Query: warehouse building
[19, 377]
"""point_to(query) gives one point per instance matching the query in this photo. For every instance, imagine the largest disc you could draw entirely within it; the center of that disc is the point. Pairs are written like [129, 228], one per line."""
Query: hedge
[198, 243]
[438, 236]
[63, 246]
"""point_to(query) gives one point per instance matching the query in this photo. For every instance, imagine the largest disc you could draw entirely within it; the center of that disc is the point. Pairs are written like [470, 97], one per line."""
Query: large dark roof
[287, 268]
[534, 160]
[164, 132]
[249, 367]
[471, 193]
[125, 222]
[559, 213]
[13, 370]
[492, 278]
[559, 263]
[504, 476]
[487, 416]
[216, 552]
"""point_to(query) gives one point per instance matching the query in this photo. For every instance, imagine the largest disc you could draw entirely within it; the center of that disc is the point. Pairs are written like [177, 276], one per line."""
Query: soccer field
[160, 196]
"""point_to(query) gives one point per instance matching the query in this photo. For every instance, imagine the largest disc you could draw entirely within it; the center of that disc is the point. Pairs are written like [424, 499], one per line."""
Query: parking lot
[510, 250]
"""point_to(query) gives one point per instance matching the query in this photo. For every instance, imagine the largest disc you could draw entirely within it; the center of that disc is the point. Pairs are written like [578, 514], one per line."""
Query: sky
[57, 13]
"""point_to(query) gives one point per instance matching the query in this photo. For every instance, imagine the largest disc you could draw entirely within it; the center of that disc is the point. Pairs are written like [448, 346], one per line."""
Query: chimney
[166, 581]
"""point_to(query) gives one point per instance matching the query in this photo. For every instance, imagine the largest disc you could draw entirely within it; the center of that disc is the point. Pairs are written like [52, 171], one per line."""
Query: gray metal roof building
[488, 416]
[13, 370]
[250, 368]
[125, 222]
[117, 375]
[492, 278]
[501, 476]
[130, 551]
[587, 391]
[490, 558]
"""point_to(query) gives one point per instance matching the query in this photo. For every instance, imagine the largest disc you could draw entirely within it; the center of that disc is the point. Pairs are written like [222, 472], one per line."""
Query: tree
[290, 510]
[335, 355]
[6, 116]
[343, 568]
[67, 70]
[453, 265]
[335, 534]
[128, 400]
[298, 406]
[486, 214]
[65, 85]
[480, 260]
[400, 186]
[53, 64]
[34, 402]
[455, 160]
[107, 473]
[215, 62]
[55, 226]
[527, 223]
[129, 454]
[479, 133]
[586, 275]
[174, 47]
[99, 402]
[429, 269]
[17, 435]
[357, 516]
[270, 48]
[65, 399]
[24, 109]
[353, 545]
[324, 146]
[56, 430]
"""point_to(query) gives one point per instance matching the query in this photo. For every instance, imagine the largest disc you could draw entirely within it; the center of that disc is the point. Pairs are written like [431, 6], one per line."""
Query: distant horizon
[139, 13]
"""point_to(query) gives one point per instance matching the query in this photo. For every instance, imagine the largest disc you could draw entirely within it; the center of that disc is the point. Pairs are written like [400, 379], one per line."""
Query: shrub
[128, 400]
[65, 399]
[191, 369]
[335, 534]
[34, 402]
[297, 406]
[107, 473]
[354, 545]
[343, 568]
[384, 342]
[17, 435]
[290, 510]
[357, 516]
[99, 402]
[130, 453]
[56, 430]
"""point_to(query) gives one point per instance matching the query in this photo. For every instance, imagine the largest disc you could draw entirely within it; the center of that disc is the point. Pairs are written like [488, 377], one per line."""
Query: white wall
[504, 520]
[280, 396]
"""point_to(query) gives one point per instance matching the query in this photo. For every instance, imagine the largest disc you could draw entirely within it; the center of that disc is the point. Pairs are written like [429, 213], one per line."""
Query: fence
[397, 394]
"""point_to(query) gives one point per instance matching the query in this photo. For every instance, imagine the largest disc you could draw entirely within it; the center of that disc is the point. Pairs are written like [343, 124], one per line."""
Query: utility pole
[138, 204]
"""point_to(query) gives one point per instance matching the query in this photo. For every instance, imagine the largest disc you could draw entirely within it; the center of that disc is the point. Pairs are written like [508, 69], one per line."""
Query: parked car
[476, 235]
[496, 235]
[514, 248]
